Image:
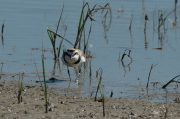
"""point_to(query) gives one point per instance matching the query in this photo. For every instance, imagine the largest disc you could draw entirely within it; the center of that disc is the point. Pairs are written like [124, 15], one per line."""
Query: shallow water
[26, 24]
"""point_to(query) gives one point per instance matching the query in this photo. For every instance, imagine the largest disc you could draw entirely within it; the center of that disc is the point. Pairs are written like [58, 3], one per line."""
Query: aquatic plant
[99, 76]
[172, 80]
[82, 20]
[161, 19]
[38, 74]
[45, 87]
[52, 36]
[152, 66]
[81, 27]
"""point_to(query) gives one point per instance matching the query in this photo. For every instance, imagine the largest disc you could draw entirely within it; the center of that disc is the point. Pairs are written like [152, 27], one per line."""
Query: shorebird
[73, 58]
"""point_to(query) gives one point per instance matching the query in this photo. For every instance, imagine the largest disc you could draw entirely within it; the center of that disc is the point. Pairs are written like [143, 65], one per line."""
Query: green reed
[152, 66]
[38, 74]
[45, 87]
[99, 75]
[83, 19]
[172, 80]
[81, 28]
[52, 36]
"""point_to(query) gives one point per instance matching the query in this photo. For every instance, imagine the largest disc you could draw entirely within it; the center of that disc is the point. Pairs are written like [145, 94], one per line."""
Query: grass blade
[44, 77]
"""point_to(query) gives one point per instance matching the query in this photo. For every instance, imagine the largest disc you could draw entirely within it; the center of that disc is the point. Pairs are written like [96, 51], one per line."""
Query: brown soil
[74, 106]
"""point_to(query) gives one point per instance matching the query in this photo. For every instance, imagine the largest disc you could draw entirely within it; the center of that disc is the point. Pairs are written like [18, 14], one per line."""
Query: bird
[72, 58]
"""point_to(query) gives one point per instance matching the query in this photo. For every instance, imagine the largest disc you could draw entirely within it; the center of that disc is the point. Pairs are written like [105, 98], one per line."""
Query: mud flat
[68, 106]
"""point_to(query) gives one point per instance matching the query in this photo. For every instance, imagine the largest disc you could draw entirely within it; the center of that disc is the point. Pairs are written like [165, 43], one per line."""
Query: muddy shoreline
[70, 106]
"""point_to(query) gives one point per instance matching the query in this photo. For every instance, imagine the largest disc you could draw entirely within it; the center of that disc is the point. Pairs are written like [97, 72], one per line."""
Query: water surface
[26, 25]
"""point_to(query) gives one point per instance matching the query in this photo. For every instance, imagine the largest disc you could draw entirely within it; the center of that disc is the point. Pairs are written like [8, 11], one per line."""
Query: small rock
[25, 112]
[50, 109]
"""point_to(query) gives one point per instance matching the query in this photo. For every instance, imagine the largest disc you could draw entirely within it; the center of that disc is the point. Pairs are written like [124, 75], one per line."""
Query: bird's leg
[79, 67]
[69, 73]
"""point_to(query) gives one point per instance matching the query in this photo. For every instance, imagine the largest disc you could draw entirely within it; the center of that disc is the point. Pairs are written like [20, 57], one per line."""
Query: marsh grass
[38, 74]
[152, 66]
[52, 36]
[171, 81]
[81, 27]
[99, 75]
[20, 88]
[162, 19]
[166, 106]
[1, 74]
[83, 20]
[106, 25]
[45, 87]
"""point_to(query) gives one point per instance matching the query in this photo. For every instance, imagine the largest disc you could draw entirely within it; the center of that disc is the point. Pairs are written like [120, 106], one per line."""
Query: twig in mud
[111, 93]
[166, 107]
[90, 74]
[20, 88]
[150, 73]
[172, 80]
[1, 70]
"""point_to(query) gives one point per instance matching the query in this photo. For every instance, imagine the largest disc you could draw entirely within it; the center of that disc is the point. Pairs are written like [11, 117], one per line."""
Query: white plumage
[72, 58]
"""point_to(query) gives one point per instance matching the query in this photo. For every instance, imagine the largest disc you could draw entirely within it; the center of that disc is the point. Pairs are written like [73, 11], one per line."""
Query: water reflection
[143, 6]
[58, 66]
[128, 65]
[2, 33]
[106, 27]
[145, 25]
[130, 28]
